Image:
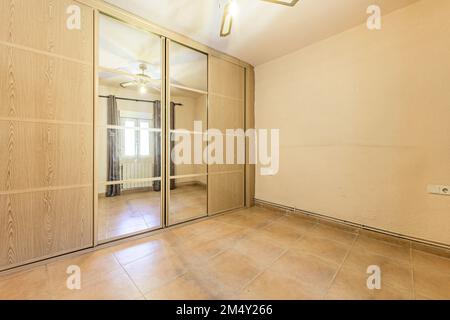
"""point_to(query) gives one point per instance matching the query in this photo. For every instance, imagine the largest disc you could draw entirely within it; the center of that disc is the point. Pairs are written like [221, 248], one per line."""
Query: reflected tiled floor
[138, 211]
[248, 254]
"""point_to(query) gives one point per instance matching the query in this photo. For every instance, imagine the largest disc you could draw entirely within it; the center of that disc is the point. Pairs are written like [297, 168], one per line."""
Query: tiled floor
[139, 211]
[249, 254]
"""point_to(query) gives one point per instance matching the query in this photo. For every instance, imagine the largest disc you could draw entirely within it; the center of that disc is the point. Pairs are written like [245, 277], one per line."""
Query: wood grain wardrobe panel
[39, 155]
[225, 191]
[226, 113]
[226, 110]
[42, 25]
[46, 129]
[226, 79]
[36, 86]
[39, 225]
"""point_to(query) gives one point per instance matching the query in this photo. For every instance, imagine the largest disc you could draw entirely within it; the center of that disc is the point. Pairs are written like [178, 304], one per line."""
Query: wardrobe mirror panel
[129, 130]
[188, 67]
[188, 198]
[187, 116]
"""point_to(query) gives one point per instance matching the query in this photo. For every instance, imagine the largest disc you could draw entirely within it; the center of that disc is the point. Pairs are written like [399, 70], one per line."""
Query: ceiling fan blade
[289, 3]
[128, 84]
[227, 20]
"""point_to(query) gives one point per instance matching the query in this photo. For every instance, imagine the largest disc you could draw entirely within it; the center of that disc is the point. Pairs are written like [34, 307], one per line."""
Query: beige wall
[365, 124]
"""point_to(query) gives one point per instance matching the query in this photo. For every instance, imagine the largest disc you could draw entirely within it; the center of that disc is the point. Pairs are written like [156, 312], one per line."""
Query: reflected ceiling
[123, 49]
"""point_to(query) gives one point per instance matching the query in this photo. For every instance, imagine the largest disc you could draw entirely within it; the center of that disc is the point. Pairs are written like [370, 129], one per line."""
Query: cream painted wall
[365, 124]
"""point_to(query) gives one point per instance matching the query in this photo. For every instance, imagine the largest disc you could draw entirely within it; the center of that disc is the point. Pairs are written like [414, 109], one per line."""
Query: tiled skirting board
[417, 244]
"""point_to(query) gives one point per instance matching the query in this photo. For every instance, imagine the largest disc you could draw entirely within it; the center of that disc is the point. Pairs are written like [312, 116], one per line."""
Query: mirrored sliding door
[187, 120]
[129, 131]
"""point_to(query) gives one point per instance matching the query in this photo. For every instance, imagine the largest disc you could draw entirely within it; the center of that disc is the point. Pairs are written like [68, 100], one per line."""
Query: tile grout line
[262, 271]
[274, 260]
[189, 268]
[47, 274]
[129, 277]
[340, 267]
[253, 230]
[411, 260]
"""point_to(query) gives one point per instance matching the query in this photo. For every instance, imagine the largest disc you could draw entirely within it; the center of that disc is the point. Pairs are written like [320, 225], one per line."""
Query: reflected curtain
[113, 148]
[157, 145]
[172, 144]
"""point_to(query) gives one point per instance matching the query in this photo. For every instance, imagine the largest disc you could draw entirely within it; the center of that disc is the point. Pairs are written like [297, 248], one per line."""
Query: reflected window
[136, 142]
[144, 139]
[129, 139]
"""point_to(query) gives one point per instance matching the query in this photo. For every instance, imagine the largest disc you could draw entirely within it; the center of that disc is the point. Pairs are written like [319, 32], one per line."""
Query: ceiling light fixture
[142, 89]
[141, 80]
[231, 10]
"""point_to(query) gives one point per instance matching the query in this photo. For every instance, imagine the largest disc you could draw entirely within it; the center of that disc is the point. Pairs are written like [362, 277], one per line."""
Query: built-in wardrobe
[94, 103]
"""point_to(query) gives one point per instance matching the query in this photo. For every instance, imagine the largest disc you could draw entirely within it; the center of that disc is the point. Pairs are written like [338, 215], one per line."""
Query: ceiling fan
[231, 9]
[141, 80]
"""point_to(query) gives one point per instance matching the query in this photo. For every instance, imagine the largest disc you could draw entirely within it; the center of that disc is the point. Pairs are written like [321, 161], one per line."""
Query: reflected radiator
[136, 169]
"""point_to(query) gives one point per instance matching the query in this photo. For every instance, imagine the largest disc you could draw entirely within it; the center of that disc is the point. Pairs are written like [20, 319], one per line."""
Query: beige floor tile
[324, 248]
[129, 252]
[225, 258]
[230, 271]
[115, 285]
[314, 273]
[265, 214]
[275, 286]
[199, 250]
[201, 227]
[281, 234]
[245, 219]
[258, 248]
[349, 285]
[91, 266]
[27, 285]
[391, 250]
[394, 273]
[296, 222]
[335, 234]
[155, 270]
[421, 297]
[433, 285]
[186, 287]
[428, 262]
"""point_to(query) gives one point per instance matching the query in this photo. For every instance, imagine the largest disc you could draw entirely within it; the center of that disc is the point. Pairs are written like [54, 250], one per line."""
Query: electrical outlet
[445, 190]
[437, 189]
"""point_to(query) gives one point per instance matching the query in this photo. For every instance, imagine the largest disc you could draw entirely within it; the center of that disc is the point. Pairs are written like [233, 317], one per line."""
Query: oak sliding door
[46, 130]
[226, 111]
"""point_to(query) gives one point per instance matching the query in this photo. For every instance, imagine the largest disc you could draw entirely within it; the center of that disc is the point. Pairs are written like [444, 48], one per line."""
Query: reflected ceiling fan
[142, 80]
[231, 9]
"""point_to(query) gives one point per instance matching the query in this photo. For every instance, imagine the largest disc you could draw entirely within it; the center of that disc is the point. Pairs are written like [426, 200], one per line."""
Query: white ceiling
[262, 31]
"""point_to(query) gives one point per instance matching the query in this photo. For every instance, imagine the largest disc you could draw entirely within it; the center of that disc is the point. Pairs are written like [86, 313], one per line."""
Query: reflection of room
[129, 151]
[128, 130]
[130, 135]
